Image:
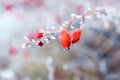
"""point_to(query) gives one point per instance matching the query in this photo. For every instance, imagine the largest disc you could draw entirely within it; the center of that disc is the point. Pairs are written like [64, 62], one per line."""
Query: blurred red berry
[65, 39]
[38, 35]
[9, 7]
[12, 51]
[75, 35]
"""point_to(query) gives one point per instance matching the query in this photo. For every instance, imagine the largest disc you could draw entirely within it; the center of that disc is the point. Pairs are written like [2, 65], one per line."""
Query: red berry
[12, 50]
[40, 44]
[9, 8]
[65, 39]
[38, 35]
[75, 36]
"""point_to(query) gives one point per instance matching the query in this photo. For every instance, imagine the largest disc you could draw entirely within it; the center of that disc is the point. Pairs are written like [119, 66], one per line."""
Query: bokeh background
[95, 57]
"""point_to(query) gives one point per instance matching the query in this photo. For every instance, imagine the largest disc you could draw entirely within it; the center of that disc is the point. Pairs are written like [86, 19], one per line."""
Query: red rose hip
[64, 39]
[76, 35]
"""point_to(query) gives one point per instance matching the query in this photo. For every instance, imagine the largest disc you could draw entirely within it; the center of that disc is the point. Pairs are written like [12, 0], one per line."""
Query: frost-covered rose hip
[76, 35]
[64, 39]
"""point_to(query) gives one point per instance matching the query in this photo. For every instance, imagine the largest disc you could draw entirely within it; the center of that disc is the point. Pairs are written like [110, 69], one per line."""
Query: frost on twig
[50, 33]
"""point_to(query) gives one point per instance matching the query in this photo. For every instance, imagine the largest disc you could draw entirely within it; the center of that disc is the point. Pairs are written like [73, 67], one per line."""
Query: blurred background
[95, 57]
